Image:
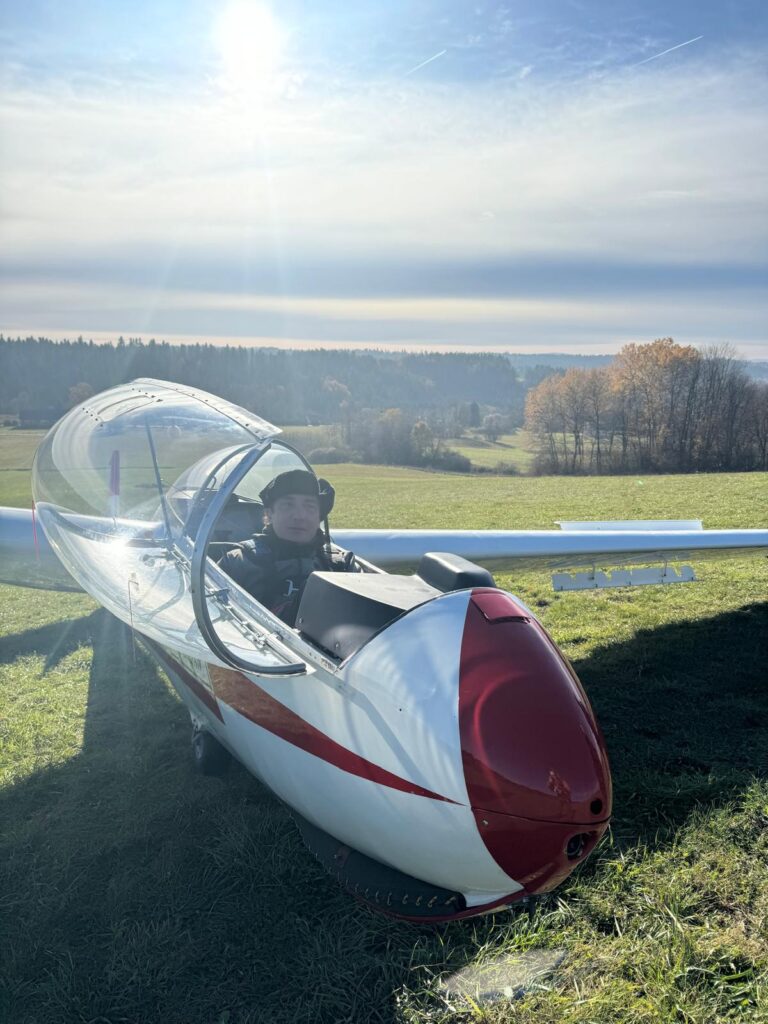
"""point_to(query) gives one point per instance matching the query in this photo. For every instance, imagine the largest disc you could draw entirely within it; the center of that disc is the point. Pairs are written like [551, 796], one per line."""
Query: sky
[541, 175]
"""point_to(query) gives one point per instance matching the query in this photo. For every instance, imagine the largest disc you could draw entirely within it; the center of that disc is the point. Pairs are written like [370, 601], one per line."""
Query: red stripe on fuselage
[255, 704]
[171, 665]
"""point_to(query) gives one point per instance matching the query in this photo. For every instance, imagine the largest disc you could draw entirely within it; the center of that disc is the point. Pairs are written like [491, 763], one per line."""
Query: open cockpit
[144, 488]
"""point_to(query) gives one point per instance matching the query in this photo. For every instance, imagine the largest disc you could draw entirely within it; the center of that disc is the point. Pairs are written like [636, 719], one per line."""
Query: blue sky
[543, 176]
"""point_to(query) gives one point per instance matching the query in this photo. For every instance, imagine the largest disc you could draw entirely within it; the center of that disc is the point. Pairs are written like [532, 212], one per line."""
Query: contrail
[425, 62]
[686, 43]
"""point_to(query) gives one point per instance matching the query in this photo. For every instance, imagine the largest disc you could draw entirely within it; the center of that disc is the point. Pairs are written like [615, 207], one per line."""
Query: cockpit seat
[447, 572]
[240, 520]
[340, 611]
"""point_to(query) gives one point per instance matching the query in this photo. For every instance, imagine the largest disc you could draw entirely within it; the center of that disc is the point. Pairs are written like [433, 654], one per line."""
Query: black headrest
[445, 572]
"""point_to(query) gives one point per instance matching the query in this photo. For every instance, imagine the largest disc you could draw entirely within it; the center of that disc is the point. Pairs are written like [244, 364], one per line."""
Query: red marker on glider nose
[534, 760]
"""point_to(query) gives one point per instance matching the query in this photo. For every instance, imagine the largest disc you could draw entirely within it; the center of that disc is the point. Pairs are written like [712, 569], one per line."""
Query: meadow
[132, 890]
[515, 450]
[17, 448]
[511, 452]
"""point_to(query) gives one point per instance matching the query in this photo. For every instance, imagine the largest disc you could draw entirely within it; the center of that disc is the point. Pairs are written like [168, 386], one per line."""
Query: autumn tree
[659, 407]
[544, 418]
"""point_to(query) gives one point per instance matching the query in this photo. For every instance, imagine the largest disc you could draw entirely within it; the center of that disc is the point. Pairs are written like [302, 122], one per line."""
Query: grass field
[509, 450]
[134, 891]
[306, 439]
[17, 447]
[515, 449]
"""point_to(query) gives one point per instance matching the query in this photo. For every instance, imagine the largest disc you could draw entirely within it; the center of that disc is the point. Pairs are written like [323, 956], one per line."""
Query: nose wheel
[208, 755]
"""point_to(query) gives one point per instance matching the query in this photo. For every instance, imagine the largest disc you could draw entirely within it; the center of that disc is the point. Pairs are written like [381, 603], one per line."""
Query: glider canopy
[131, 487]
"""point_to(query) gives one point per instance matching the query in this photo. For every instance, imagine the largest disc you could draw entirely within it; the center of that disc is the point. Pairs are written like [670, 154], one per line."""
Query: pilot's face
[296, 517]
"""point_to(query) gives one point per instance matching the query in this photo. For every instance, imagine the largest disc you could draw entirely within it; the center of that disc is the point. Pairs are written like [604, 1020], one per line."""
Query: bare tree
[671, 406]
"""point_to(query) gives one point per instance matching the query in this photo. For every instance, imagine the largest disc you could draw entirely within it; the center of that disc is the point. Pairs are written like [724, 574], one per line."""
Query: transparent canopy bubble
[118, 453]
[117, 483]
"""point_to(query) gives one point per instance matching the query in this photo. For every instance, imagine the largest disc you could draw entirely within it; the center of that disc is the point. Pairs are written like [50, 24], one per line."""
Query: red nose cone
[532, 752]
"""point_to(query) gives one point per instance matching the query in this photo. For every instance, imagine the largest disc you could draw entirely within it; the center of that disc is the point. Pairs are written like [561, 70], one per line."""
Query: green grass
[17, 449]
[384, 496]
[306, 439]
[516, 449]
[134, 891]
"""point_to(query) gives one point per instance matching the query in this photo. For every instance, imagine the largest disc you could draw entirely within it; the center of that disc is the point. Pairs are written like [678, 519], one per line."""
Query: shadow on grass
[135, 890]
[684, 711]
[55, 641]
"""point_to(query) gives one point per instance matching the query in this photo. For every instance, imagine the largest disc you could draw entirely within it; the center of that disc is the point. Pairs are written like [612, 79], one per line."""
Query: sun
[249, 42]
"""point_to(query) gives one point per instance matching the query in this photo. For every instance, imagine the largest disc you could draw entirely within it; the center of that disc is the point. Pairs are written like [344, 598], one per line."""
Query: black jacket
[275, 570]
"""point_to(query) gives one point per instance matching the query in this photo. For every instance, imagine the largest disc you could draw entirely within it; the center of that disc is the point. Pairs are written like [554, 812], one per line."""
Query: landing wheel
[208, 755]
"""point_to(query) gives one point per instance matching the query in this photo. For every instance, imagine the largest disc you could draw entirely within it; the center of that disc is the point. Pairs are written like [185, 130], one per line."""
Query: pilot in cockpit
[274, 565]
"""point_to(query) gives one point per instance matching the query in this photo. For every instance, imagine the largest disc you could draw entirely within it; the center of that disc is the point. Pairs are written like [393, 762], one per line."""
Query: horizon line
[308, 344]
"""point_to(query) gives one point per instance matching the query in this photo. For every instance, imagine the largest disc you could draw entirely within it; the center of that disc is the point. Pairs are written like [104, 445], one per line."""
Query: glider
[437, 750]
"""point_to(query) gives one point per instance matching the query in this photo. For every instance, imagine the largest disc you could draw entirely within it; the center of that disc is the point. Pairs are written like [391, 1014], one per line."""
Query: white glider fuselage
[436, 748]
[399, 755]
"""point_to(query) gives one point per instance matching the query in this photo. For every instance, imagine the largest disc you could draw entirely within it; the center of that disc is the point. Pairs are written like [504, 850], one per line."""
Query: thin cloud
[425, 62]
[208, 196]
[590, 169]
[664, 52]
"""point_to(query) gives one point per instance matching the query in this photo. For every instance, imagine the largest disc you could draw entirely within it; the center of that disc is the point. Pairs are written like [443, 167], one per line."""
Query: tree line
[40, 379]
[400, 437]
[659, 407]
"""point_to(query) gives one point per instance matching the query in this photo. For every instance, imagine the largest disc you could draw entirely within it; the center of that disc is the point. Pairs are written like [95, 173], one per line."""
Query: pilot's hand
[349, 562]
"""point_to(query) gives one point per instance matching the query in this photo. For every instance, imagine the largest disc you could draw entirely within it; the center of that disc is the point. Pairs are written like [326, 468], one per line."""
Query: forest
[656, 407]
[40, 379]
[660, 407]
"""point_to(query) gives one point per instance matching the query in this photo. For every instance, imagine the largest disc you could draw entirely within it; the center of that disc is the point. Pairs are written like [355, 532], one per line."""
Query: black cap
[299, 481]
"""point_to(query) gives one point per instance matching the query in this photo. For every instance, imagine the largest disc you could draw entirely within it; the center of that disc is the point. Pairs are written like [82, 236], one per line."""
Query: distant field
[306, 439]
[134, 891]
[382, 496]
[515, 449]
[17, 448]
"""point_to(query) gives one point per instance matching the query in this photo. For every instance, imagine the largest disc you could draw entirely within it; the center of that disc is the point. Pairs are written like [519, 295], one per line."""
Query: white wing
[26, 557]
[30, 562]
[596, 544]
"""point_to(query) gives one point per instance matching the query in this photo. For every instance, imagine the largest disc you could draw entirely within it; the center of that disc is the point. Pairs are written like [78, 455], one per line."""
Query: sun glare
[249, 41]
